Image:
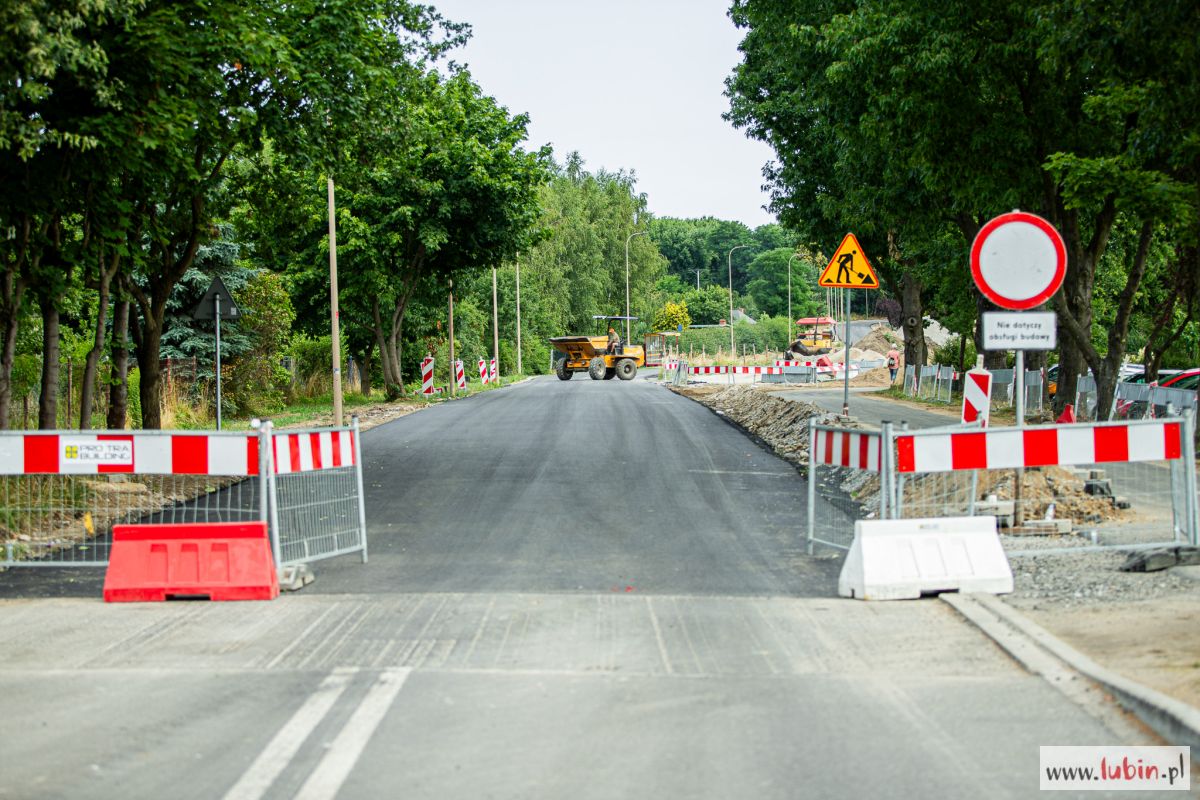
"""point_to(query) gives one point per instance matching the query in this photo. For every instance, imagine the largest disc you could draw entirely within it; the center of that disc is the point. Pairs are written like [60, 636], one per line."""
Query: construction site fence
[61, 492]
[934, 382]
[1122, 485]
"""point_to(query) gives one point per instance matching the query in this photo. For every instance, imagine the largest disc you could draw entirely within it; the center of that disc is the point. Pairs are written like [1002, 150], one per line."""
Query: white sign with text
[1019, 331]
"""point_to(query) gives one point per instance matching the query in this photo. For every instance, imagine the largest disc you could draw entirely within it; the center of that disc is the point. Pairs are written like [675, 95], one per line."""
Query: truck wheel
[562, 371]
[610, 373]
[626, 369]
[596, 368]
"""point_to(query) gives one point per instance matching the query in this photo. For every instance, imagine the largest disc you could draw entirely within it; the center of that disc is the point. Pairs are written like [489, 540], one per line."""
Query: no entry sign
[1018, 260]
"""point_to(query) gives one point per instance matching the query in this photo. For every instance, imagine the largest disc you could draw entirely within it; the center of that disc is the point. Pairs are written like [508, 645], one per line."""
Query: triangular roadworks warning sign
[849, 268]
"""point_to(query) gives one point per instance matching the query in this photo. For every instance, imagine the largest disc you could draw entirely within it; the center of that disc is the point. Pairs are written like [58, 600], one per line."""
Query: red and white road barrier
[977, 397]
[145, 453]
[495, 374]
[1068, 445]
[316, 450]
[735, 370]
[427, 375]
[852, 449]
[460, 377]
[795, 363]
[483, 372]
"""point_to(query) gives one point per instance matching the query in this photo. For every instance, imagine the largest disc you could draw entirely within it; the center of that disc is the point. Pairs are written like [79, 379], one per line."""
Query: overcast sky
[630, 85]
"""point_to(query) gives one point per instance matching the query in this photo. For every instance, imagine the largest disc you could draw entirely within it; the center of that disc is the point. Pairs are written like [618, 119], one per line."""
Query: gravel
[1086, 578]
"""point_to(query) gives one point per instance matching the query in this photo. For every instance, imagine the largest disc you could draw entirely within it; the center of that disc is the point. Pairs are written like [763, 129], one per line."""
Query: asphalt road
[582, 589]
[871, 410]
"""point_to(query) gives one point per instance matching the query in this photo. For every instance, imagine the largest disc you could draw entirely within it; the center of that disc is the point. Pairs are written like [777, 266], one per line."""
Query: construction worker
[614, 341]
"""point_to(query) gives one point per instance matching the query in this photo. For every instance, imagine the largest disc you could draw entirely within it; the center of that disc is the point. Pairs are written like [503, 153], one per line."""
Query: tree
[909, 123]
[672, 316]
[768, 282]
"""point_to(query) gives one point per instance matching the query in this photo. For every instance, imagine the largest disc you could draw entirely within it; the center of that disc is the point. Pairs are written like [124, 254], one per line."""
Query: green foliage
[257, 381]
[948, 353]
[708, 306]
[769, 335]
[672, 316]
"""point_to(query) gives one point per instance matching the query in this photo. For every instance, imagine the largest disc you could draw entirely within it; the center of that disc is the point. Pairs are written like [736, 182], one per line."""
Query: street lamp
[790, 339]
[729, 259]
[627, 238]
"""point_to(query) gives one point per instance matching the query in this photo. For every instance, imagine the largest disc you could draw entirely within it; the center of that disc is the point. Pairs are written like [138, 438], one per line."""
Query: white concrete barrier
[905, 558]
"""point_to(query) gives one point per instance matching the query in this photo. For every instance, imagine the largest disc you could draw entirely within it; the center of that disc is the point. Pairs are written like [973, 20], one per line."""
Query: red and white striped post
[977, 397]
[427, 375]
[495, 374]
[483, 372]
[460, 377]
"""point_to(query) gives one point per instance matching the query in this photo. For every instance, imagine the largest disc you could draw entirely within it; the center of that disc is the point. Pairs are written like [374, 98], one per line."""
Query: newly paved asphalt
[581, 589]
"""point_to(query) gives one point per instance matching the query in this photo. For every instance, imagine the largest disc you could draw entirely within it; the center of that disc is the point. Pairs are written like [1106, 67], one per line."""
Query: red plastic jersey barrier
[217, 561]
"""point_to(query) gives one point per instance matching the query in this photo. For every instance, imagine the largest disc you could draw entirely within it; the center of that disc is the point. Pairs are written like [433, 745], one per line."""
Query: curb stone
[1177, 722]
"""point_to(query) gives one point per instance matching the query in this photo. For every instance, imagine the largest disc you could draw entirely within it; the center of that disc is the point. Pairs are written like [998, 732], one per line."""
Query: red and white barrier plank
[309, 452]
[1068, 445]
[849, 449]
[144, 453]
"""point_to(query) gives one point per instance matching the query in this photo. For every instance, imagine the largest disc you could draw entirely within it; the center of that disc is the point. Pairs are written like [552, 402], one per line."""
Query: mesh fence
[845, 480]
[1140, 494]
[72, 487]
[319, 515]
[67, 520]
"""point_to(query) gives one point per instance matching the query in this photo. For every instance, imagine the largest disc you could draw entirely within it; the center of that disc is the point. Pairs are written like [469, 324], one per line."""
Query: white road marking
[276, 755]
[662, 645]
[343, 754]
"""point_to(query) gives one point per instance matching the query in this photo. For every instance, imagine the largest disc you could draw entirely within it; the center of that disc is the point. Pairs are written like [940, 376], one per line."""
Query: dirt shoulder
[1155, 642]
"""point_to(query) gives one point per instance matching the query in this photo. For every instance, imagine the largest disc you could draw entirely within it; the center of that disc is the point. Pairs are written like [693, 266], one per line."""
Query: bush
[256, 382]
[948, 353]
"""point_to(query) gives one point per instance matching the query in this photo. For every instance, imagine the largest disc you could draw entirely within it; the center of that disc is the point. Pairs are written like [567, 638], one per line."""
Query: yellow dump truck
[592, 354]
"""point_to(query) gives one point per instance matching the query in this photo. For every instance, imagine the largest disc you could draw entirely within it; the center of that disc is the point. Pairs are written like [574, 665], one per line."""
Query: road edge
[1033, 646]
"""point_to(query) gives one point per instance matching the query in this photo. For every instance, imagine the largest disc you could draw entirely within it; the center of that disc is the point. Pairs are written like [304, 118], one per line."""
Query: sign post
[212, 307]
[1018, 261]
[848, 269]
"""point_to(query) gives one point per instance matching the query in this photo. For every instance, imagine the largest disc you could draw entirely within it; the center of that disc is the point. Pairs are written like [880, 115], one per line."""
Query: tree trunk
[149, 373]
[118, 390]
[913, 313]
[48, 403]
[11, 292]
[364, 371]
[992, 359]
[391, 386]
[92, 362]
[1186, 278]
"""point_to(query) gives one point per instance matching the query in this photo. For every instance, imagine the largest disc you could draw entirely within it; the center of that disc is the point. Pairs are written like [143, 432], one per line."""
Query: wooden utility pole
[520, 371]
[453, 366]
[495, 326]
[336, 334]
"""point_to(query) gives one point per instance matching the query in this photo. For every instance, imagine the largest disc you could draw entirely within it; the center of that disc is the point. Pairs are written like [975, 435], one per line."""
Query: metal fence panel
[57, 508]
[317, 507]
[846, 471]
[1139, 499]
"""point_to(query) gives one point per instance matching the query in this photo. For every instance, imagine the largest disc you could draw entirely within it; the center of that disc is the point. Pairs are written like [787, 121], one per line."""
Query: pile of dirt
[881, 339]
[782, 424]
[949, 494]
[880, 376]
[368, 416]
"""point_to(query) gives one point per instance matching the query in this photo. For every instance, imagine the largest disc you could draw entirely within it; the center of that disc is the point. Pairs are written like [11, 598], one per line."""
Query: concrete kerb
[1037, 650]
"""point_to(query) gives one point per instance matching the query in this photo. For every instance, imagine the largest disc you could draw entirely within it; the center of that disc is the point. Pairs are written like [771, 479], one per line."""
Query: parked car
[1185, 379]
[1167, 378]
